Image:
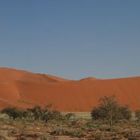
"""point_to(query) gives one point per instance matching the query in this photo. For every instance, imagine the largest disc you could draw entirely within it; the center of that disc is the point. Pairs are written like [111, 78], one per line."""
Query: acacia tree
[109, 110]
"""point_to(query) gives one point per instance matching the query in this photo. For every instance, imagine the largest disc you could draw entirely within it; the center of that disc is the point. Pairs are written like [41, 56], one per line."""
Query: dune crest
[88, 79]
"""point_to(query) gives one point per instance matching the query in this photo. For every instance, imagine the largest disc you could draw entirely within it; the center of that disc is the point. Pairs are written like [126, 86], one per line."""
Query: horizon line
[80, 79]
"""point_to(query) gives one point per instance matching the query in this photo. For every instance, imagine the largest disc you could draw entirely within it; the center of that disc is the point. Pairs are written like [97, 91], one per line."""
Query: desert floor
[73, 129]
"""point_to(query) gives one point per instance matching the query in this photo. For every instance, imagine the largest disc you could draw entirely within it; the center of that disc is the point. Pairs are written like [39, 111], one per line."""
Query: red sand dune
[25, 89]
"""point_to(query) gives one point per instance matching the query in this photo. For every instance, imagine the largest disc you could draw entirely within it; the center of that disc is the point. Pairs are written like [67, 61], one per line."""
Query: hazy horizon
[71, 39]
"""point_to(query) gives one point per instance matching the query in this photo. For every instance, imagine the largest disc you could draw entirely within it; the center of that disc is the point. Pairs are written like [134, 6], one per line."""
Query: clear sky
[71, 38]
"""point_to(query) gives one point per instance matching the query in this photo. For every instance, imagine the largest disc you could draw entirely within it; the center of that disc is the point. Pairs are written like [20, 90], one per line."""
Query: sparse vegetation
[35, 113]
[48, 124]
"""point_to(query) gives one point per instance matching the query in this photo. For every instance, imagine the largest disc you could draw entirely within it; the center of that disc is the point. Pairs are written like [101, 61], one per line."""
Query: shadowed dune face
[25, 89]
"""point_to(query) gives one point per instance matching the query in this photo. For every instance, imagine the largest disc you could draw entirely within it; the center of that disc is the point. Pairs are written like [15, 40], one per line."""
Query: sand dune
[25, 89]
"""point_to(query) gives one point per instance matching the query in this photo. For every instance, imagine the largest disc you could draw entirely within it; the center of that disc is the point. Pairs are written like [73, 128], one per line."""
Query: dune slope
[25, 89]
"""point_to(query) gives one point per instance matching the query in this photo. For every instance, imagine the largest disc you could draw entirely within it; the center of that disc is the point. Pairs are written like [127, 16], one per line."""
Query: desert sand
[25, 89]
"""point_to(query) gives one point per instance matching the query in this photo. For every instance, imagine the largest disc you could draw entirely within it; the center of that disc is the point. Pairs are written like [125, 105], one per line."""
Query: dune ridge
[25, 89]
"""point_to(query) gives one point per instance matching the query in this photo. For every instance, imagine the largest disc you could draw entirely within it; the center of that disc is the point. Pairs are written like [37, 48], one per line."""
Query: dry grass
[78, 129]
[80, 115]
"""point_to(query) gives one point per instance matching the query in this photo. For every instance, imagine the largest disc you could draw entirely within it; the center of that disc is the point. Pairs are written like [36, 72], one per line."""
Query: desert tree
[109, 110]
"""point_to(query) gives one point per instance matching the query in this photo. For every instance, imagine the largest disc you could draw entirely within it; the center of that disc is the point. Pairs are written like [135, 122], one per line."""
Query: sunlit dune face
[26, 89]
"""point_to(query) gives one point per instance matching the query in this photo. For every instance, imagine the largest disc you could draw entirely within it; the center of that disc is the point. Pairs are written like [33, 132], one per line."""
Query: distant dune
[25, 89]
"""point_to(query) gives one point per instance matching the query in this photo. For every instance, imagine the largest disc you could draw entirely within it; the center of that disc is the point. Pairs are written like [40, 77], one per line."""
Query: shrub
[35, 113]
[109, 110]
[28, 115]
[125, 113]
[51, 115]
[138, 115]
[13, 112]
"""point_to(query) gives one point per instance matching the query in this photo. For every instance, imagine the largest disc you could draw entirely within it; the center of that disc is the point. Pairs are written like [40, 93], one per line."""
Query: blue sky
[71, 38]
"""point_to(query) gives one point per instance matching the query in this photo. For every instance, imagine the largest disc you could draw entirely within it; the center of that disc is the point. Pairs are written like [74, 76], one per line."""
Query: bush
[138, 115]
[35, 113]
[109, 110]
[125, 113]
[13, 112]
[51, 115]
